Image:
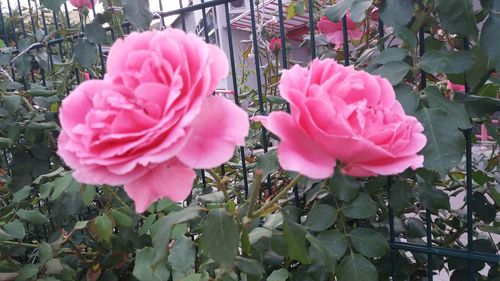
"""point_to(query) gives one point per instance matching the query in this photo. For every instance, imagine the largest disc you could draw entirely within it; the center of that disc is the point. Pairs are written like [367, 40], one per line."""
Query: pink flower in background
[80, 3]
[339, 113]
[275, 44]
[153, 119]
[333, 30]
[455, 87]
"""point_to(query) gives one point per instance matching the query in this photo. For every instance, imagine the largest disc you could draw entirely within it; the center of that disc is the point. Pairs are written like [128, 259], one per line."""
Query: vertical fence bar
[99, 47]
[262, 111]
[312, 29]
[25, 35]
[428, 218]
[346, 40]
[235, 89]
[282, 35]
[468, 170]
[183, 21]
[162, 19]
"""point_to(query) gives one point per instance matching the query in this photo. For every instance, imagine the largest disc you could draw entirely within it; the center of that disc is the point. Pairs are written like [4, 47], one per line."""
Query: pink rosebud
[374, 14]
[80, 3]
[333, 30]
[455, 87]
[275, 44]
[86, 76]
[153, 119]
[339, 113]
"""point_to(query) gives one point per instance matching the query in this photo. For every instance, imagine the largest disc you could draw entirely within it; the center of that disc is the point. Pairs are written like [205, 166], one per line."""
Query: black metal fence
[22, 23]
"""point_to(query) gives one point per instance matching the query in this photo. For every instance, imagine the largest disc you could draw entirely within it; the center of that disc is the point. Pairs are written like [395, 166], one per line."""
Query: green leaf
[408, 98]
[416, 228]
[361, 208]
[161, 231]
[144, 270]
[457, 17]
[45, 252]
[220, 238]
[295, 236]
[299, 8]
[369, 243]
[258, 233]
[445, 144]
[182, 258]
[490, 38]
[250, 266]
[396, 12]
[401, 195]
[28, 272]
[15, 229]
[321, 217]
[95, 33]
[268, 163]
[406, 35]
[391, 54]
[22, 194]
[61, 184]
[393, 71]
[477, 106]
[338, 10]
[41, 92]
[343, 187]
[334, 242]
[12, 103]
[432, 197]
[138, 13]
[278, 275]
[214, 197]
[121, 218]
[85, 53]
[88, 193]
[23, 64]
[446, 62]
[355, 267]
[104, 227]
[54, 5]
[485, 210]
[456, 111]
[32, 216]
[192, 277]
[356, 7]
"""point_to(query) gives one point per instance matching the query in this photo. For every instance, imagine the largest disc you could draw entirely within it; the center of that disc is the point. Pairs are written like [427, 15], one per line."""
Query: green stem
[14, 243]
[275, 199]
[220, 184]
[257, 179]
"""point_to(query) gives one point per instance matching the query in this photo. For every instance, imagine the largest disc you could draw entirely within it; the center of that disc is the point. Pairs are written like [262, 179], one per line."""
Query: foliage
[54, 228]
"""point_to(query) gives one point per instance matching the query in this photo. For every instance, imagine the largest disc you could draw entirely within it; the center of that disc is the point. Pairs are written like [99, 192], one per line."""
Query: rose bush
[248, 219]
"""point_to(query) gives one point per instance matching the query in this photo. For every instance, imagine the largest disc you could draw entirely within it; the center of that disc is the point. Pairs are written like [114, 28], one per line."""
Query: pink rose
[339, 113]
[333, 30]
[455, 87]
[153, 119]
[275, 44]
[80, 3]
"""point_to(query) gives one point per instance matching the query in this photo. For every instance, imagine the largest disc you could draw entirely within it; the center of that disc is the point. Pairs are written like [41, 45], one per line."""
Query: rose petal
[218, 128]
[298, 152]
[172, 180]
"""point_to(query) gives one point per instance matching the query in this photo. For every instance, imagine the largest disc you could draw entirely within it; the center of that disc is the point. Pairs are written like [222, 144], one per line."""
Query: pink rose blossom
[339, 113]
[333, 30]
[80, 3]
[455, 87]
[153, 119]
[275, 44]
